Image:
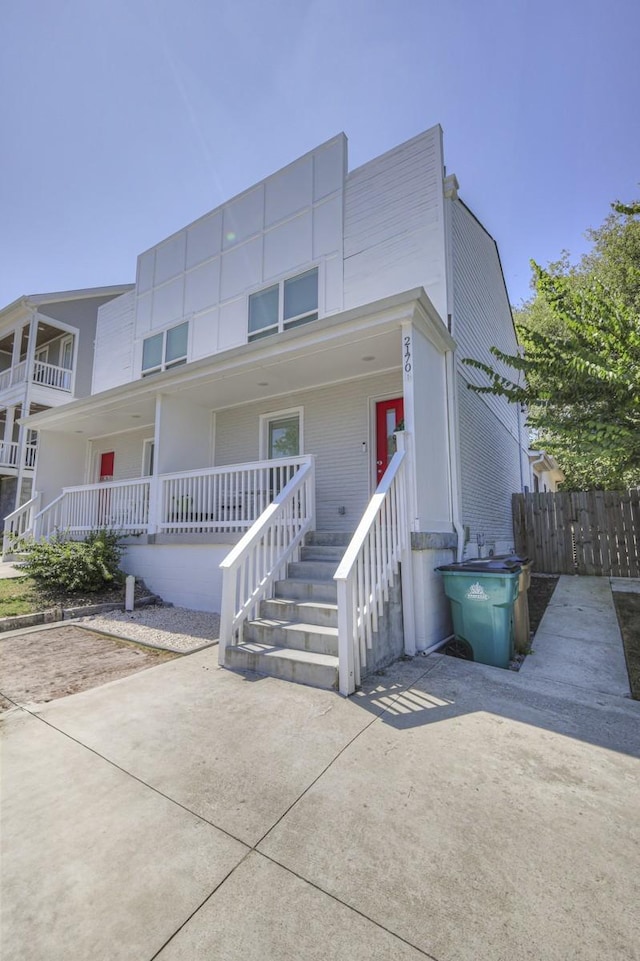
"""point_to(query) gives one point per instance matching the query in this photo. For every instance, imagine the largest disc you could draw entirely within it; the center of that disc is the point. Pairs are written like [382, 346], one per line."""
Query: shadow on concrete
[438, 688]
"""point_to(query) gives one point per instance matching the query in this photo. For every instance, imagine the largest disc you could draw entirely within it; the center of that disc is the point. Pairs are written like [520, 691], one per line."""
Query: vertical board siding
[585, 532]
[335, 426]
[112, 364]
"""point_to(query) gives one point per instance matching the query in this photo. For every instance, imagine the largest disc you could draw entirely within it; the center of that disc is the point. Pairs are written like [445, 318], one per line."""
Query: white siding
[289, 222]
[489, 467]
[489, 426]
[114, 343]
[394, 224]
[337, 421]
[127, 447]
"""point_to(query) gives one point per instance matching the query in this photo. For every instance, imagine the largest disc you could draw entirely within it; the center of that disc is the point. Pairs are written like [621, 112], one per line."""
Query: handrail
[105, 485]
[367, 571]
[260, 557]
[19, 523]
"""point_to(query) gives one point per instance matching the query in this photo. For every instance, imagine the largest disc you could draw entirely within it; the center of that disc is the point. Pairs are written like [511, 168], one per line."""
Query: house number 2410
[407, 355]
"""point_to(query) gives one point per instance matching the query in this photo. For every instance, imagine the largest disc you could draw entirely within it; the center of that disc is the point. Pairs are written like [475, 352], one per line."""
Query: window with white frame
[289, 303]
[165, 350]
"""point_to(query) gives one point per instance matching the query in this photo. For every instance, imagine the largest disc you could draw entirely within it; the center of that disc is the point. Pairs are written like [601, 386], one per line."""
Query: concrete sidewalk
[578, 640]
[448, 811]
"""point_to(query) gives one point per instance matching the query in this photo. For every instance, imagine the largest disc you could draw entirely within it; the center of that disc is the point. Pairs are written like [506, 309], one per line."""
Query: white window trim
[178, 362]
[147, 445]
[291, 322]
[265, 420]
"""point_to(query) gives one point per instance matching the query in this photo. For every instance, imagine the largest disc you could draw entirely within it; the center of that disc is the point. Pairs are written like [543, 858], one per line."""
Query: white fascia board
[428, 319]
[388, 312]
[36, 300]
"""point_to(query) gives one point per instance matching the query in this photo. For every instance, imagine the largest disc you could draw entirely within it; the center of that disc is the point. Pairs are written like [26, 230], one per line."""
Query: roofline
[58, 296]
[400, 306]
[495, 244]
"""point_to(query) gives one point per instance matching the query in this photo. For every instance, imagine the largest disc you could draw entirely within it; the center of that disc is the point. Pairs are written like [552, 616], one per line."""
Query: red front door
[106, 466]
[389, 413]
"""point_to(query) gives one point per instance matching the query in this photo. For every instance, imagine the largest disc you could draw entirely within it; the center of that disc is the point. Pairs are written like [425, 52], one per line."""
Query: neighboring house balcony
[10, 459]
[43, 364]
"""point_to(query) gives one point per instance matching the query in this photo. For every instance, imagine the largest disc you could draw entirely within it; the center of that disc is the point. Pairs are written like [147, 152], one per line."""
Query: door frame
[374, 400]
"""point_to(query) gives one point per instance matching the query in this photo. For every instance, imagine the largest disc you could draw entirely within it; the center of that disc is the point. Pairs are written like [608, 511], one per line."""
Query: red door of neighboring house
[104, 497]
[106, 466]
[389, 413]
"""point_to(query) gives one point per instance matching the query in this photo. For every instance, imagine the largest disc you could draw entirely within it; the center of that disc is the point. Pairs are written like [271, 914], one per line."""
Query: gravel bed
[169, 628]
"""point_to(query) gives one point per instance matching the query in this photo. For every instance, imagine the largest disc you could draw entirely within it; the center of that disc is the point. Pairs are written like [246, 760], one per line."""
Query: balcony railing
[49, 375]
[10, 454]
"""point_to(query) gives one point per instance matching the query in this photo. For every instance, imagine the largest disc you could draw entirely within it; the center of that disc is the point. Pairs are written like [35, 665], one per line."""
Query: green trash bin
[482, 594]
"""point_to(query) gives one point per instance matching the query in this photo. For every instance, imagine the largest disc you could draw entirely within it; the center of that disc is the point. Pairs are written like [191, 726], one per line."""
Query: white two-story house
[280, 417]
[46, 359]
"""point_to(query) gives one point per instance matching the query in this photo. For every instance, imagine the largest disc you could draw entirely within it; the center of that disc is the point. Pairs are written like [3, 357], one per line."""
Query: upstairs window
[165, 350]
[288, 304]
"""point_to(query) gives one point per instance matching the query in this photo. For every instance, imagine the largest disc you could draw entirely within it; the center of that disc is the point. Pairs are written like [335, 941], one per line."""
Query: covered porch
[243, 454]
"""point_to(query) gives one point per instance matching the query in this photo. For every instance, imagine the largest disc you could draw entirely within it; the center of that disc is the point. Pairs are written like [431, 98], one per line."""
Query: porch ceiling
[354, 344]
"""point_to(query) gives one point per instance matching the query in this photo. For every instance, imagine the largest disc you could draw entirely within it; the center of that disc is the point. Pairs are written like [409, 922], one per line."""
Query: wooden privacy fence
[589, 532]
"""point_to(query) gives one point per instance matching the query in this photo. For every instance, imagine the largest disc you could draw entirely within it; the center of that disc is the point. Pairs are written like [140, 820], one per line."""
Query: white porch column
[8, 433]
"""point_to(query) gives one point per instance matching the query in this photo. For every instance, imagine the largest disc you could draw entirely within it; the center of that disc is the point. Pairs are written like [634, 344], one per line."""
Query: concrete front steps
[296, 635]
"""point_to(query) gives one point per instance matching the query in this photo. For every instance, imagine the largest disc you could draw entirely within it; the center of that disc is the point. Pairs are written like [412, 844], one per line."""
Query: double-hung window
[165, 350]
[289, 303]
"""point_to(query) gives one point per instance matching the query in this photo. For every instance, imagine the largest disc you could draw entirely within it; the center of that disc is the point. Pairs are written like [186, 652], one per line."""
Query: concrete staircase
[296, 635]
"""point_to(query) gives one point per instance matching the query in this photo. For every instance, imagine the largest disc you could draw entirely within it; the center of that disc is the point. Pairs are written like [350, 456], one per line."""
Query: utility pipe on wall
[453, 459]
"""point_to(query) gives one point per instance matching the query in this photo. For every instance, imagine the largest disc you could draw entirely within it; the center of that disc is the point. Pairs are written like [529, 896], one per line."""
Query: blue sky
[124, 120]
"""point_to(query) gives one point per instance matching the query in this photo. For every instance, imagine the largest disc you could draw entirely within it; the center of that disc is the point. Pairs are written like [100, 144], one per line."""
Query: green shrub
[76, 566]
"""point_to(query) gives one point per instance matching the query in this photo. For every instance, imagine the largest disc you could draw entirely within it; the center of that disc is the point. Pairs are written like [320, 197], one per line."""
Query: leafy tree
[580, 335]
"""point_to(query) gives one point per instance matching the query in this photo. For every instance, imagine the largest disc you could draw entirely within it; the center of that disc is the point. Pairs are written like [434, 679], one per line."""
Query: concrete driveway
[449, 811]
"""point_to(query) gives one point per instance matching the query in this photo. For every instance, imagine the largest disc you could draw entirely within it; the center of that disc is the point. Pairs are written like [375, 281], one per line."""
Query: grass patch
[20, 595]
[628, 611]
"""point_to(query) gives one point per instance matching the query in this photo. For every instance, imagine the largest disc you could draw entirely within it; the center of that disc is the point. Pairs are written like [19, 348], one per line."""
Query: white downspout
[452, 428]
[450, 189]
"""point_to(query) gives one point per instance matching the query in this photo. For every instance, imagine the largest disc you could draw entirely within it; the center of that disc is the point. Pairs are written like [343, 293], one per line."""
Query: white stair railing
[368, 569]
[260, 558]
[117, 505]
[18, 526]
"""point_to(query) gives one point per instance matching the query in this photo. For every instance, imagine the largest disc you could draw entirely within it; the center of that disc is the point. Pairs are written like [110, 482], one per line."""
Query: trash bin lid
[485, 565]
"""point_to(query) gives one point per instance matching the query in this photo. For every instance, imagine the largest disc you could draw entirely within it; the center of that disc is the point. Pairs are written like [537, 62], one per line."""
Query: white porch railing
[368, 569]
[221, 499]
[8, 453]
[260, 558]
[119, 505]
[51, 375]
[19, 524]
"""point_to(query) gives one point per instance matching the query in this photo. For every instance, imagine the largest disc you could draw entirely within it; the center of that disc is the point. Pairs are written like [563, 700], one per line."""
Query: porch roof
[353, 343]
